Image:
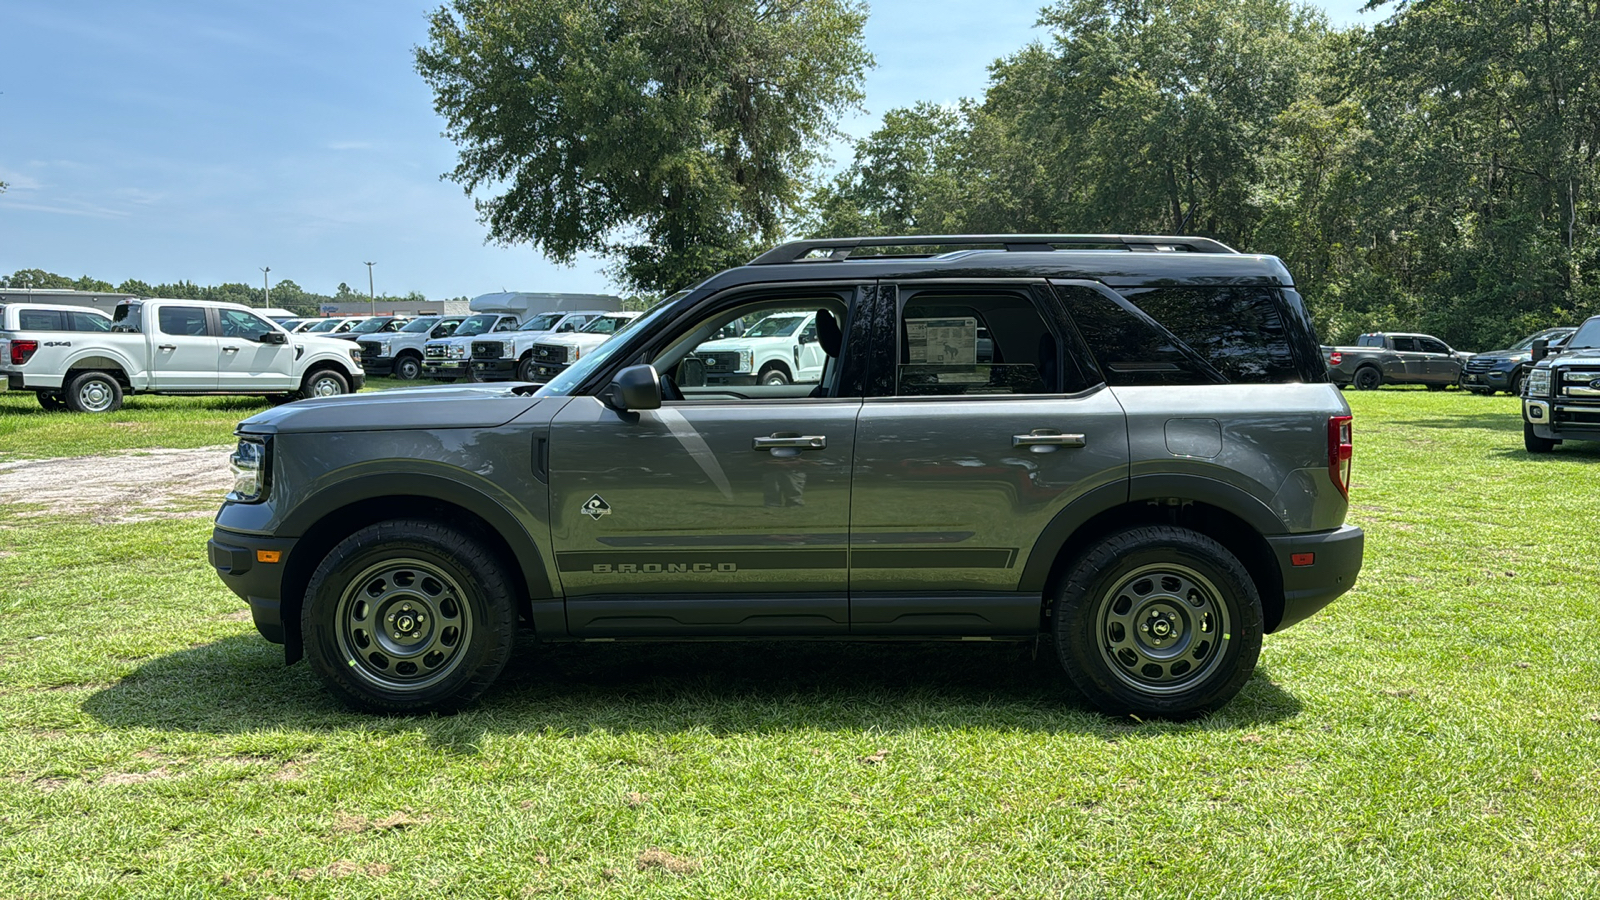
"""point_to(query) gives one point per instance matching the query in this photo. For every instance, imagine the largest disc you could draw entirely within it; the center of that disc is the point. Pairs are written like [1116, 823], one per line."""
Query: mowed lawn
[1435, 733]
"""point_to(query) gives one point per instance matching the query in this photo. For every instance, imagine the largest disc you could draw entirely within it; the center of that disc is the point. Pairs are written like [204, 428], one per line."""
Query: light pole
[371, 297]
[266, 288]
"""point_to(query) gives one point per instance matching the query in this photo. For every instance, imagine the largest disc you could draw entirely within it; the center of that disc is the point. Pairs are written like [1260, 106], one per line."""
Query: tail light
[1335, 357]
[1340, 450]
[22, 351]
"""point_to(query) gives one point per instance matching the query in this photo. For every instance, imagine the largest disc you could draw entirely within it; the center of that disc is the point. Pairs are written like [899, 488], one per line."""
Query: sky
[204, 140]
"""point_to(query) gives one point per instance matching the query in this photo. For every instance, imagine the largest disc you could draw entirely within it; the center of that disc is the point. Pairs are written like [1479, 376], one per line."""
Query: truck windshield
[606, 325]
[541, 323]
[775, 326]
[476, 325]
[418, 326]
[1588, 335]
[371, 325]
[326, 325]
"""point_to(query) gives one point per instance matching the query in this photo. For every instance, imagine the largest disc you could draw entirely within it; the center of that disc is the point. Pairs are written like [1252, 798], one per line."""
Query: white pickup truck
[780, 349]
[178, 347]
[555, 353]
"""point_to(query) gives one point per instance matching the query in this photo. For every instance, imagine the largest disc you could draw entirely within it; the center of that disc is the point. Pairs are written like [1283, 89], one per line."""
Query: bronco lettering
[662, 568]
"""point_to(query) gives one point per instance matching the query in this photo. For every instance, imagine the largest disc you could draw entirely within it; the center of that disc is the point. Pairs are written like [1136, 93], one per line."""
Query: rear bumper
[1336, 562]
[259, 584]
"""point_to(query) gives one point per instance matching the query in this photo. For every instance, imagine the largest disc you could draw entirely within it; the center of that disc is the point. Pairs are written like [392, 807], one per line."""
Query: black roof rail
[835, 249]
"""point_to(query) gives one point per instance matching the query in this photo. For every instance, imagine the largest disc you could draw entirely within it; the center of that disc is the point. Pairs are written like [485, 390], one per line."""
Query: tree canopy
[671, 137]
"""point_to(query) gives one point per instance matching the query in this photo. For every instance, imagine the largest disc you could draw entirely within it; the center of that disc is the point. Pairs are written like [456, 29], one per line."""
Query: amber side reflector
[1295, 559]
[272, 556]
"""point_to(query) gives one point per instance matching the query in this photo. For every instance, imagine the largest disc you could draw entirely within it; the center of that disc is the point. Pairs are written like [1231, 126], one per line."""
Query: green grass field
[1435, 733]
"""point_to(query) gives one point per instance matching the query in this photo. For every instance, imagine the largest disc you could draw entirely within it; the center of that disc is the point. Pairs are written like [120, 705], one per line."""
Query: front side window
[1432, 346]
[182, 320]
[975, 343]
[782, 361]
[239, 324]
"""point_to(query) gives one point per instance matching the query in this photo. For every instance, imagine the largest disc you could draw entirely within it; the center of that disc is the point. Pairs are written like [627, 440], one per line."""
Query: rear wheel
[1158, 621]
[407, 368]
[94, 392]
[409, 616]
[1367, 379]
[1533, 443]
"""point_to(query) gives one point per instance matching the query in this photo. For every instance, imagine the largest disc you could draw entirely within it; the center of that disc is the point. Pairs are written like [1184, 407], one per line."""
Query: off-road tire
[407, 368]
[1533, 443]
[1152, 585]
[1367, 378]
[453, 592]
[93, 392]
[773, 373]
[324, 383]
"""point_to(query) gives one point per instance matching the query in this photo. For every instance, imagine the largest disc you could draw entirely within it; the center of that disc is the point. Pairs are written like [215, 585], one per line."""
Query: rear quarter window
[38, 320]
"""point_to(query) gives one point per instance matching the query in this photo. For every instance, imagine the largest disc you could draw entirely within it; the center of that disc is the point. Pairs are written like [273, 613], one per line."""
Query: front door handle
[1044, 440]
[166, 346]
[230, 349]
[782, 444]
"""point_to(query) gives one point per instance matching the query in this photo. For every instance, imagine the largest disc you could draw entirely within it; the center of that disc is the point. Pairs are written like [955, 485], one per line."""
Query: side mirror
[1541, 349]
[274, 337]
[692, 372]
[634, 388]
[808, 337]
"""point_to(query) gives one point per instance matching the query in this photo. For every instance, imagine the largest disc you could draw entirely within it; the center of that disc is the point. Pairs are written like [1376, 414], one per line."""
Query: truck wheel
[772, 373]
[1533, 443]
[407, 368]
[324, 383]
[1367, 379]
[51, 401]
[525, 369]
[94, 392]
[409, 616]
[1516, 385]
[1158, 621]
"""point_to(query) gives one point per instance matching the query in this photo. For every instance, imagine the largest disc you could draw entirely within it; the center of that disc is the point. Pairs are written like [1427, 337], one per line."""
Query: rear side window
[182, 320]
[976, 342]
[88, 322]
[1185, 335]
[38, 320]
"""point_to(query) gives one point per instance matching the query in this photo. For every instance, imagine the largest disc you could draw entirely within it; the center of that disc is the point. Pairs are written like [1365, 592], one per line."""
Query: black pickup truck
[1391, 358]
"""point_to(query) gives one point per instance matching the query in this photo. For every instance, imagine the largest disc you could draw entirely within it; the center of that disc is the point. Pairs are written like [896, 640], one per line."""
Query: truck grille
[370, 349]
[1479, 364]
[720, 361]
[547, 353]
[487, 349]
[1580, 383]
[433, 351]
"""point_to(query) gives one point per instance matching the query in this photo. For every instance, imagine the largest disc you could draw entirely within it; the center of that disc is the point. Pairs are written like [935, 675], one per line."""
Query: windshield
[371, 325]
[1549, 336]
[573, 375]
[476, 325]
[418, 326]
[541, 323]
[606, 325]
[775, 326]
[1588, 335]
[325, 325]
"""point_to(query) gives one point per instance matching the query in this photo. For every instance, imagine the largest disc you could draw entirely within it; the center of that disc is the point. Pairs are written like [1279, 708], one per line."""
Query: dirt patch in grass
[399, 821]
[121, 487]
[656, 858]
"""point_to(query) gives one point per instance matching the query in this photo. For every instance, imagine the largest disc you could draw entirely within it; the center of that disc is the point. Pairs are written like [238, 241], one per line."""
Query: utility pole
[371, 297]
[266, 289]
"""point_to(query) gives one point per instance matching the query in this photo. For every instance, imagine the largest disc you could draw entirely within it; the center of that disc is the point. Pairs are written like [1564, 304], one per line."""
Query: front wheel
[324, 383]
[409, 616]
[1158, 621]
[773, 375]
[407, 368]
[1516, 385]
[1533, 443]
[94, 392]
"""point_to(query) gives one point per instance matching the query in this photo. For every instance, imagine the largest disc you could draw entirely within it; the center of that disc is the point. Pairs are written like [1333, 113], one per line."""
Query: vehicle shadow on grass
[240, 684]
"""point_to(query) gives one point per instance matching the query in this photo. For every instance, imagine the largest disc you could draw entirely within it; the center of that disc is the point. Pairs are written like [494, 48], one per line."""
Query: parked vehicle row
[81, 360]
[1561, 393]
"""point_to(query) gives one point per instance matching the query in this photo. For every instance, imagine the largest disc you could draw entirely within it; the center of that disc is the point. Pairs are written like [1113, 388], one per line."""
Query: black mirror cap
[274, 337]
[1541, 349]
[635, 388]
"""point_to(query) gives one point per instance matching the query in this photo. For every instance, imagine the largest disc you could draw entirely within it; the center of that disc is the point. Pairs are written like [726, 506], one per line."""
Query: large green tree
[671, 136]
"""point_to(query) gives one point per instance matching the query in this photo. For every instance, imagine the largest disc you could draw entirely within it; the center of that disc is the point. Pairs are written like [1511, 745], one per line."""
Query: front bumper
[260, 584]
[377, 366]
[547, 371]
[1336, 563]
[444, 368]
[494, 369]
[1495, 379]
[1557, 421]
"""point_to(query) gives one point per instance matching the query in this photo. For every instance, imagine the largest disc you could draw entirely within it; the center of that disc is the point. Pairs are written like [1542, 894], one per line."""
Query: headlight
[507, 350]
[249, 467]
[573, 353]
[355, 356]
[1519, 357]
[1538, 383]
[457, 351]
[747, 360]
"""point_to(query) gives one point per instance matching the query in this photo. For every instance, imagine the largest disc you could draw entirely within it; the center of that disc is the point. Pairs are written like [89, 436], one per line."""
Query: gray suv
[1144, 462]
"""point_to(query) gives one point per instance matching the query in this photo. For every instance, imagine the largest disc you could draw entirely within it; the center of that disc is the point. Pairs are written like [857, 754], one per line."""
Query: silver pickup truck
[1388, 358]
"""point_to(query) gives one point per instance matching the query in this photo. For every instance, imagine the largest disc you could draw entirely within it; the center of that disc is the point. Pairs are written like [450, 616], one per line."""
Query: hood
[481, 406]
[576, 339]
[1583, 356]
[318, 342]
[1502, 354]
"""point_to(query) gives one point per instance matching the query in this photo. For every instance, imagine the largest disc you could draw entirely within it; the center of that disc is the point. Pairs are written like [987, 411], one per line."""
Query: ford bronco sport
[1145, 462]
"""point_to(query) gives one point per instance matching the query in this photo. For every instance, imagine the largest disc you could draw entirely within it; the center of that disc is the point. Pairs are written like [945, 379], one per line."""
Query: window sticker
[942, 342]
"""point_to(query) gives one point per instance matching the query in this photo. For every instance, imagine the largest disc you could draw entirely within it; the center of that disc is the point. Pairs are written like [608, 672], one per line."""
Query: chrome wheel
[402, 624]
[1162, 627]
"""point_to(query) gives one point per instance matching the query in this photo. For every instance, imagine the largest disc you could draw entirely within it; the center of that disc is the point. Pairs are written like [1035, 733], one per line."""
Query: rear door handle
[230, 349]
[789, 444]
[1043, 440]
[166, 346]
